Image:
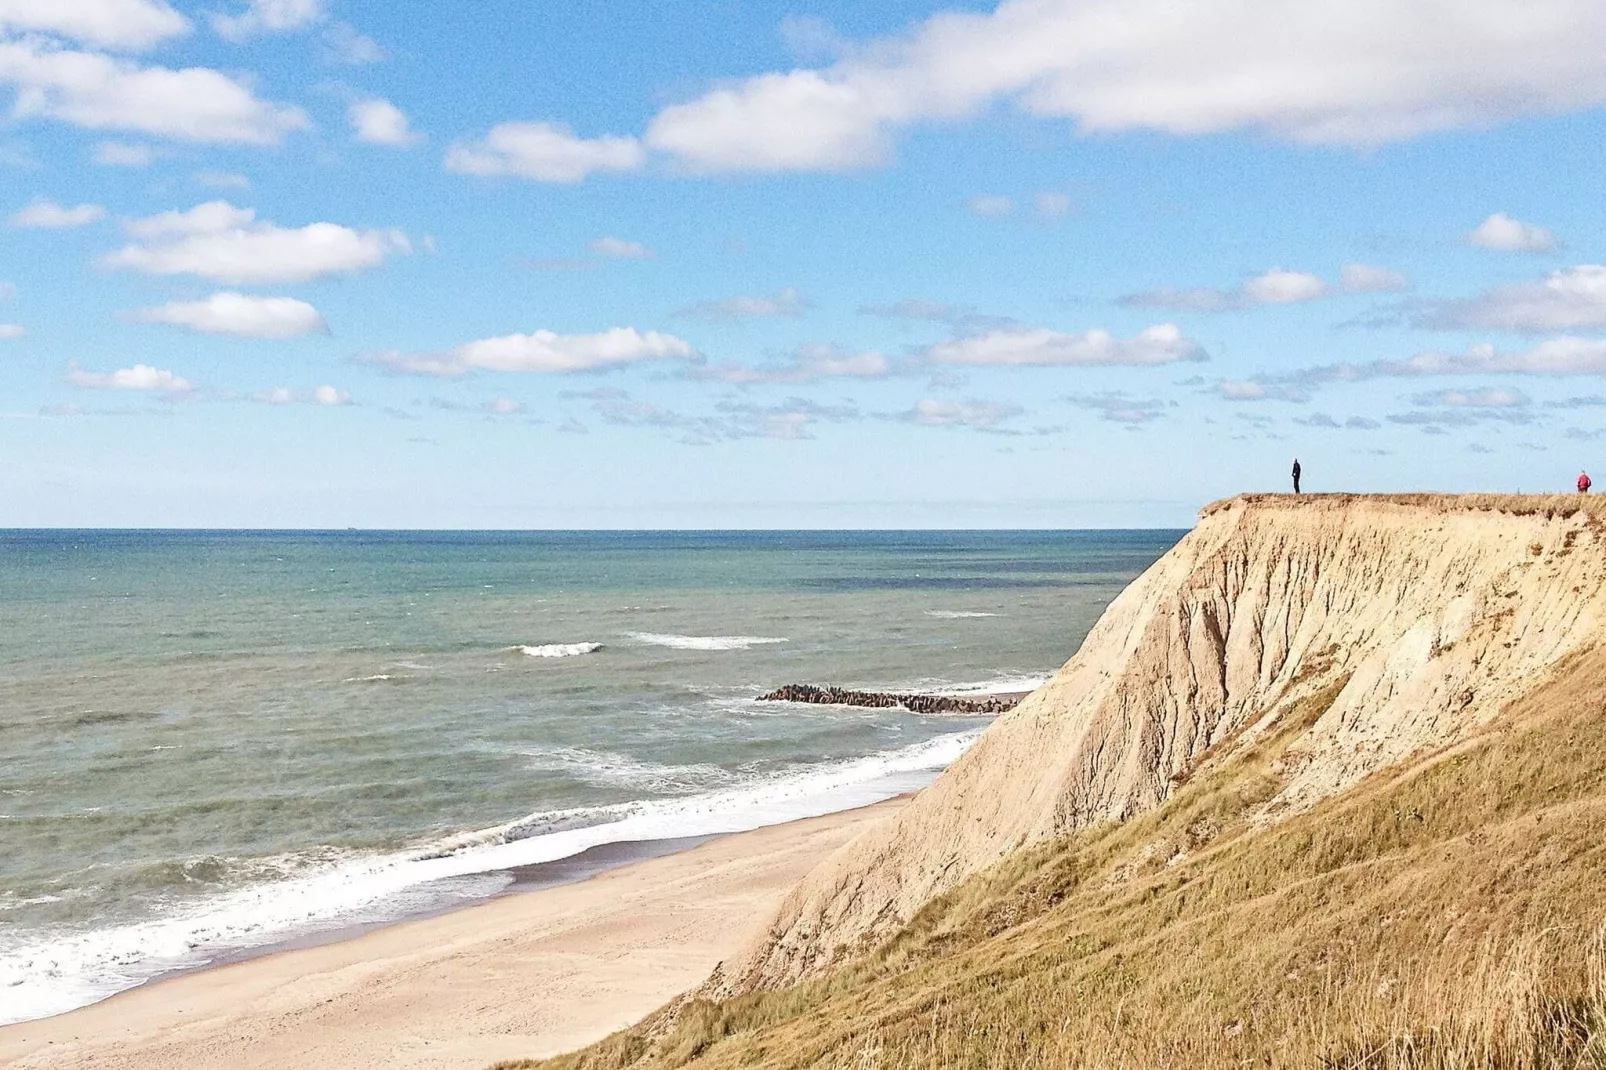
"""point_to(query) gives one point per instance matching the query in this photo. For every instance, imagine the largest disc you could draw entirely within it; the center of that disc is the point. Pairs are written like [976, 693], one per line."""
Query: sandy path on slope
[528, 974]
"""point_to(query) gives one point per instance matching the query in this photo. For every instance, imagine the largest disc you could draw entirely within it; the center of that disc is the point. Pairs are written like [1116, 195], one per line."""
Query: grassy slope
[1441, 914]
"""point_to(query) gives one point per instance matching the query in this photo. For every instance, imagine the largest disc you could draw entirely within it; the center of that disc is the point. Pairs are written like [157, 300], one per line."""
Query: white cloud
[807, 364]
[1509, 235]
[1564, 300]
[620, 249]
[100, 92]
[930, 412]
[543, 351]
[380, 122]
[10, 331]
[1366, 279]
[784, 302]
[139, 377]
[1485, 398]
[1277, 286]
[1360, 73]
[1562, 356]
[503, 406]
[43, 214]
[546, 152]
[8, 290]
[1162, 343]
[268, 16]
[239, 314]
[216, 240]
[123, 154]
[117, 24]
[283, 395]
[343, 44]
[1119, 408]
[992, 206]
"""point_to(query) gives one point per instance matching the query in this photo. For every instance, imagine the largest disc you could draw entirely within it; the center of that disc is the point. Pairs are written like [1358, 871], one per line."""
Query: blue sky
[706, 264]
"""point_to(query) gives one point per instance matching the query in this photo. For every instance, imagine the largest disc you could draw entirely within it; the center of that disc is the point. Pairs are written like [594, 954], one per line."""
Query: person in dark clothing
[1296, 475]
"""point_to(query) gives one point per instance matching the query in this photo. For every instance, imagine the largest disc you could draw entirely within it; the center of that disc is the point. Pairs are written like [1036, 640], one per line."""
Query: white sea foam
[1003, 684]
[44, 974]
[559, 650]
[620, 770]
[957, 614]
[703, 642]
[375, 678]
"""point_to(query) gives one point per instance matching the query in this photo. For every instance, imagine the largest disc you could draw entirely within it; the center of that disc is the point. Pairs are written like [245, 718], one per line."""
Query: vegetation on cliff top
[1445, 912]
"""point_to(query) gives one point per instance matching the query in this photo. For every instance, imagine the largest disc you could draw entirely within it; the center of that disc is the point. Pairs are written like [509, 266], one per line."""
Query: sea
[213, 743]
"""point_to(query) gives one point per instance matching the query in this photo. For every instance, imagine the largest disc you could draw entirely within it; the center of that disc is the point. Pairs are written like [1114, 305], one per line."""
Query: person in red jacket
[1583, 483]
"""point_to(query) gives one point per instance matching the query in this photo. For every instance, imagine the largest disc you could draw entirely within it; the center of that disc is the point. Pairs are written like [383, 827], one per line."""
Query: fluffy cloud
[1562, 356]
[543, 351]
[122, 154]
[268, 16]
[1564, 300]
[1509, 235]
[1163, 343]
[546, 152]
[45, 214]
[239, 314]
[100, 92]
[10, 331]
[379, 122]
[1259, 390]
[929, 412]
[1353, 74]
[119, 24]
[805, 365]
[139, 377]
[1277, 286]
[343, 44]
[620, 249]
[283, 395]
[784, 302]
[1366, 279]
[216, 240]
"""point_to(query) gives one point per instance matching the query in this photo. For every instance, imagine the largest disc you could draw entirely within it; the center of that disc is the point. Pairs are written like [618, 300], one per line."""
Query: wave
[703, 642]
[611, 769]
[957, 614]
[1004, 684]
[559, 650]
[45, 973]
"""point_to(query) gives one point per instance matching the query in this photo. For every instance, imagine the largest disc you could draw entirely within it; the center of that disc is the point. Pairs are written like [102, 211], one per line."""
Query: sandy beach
[528, 974]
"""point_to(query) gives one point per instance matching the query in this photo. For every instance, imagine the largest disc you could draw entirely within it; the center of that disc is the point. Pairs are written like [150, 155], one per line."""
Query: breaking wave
[703, 642]
[559, 650]
[45, 973]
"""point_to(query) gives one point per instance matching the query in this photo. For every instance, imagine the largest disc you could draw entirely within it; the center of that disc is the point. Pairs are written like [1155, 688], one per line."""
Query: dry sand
[528, 974]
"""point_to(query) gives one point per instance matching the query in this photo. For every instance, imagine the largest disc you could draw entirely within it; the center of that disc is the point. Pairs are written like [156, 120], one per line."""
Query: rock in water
[884, 700]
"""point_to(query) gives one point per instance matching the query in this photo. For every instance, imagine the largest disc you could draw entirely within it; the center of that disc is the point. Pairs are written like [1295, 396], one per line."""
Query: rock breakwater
[884, 700]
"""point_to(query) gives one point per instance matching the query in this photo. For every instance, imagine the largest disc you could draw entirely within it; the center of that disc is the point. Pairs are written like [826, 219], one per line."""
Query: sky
[719, 264]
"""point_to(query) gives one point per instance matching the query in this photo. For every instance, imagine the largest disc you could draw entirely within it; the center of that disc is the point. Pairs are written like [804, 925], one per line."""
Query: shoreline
[570, 951]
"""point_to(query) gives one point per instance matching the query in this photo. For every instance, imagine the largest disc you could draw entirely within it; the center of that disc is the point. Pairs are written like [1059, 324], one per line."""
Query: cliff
[1417, 618]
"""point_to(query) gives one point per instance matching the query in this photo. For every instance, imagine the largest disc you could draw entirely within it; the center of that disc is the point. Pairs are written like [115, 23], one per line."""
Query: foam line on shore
[71, 969]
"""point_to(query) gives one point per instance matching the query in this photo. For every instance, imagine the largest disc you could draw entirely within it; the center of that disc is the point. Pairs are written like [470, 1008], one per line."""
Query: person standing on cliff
[1583, 483]
[1296, 475]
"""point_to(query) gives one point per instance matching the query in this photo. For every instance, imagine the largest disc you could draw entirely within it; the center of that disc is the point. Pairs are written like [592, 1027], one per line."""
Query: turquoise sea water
[212, 741]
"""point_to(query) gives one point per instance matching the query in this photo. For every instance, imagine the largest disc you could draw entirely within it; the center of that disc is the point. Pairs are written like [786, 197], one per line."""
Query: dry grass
[1442, 915]
[1547, 505]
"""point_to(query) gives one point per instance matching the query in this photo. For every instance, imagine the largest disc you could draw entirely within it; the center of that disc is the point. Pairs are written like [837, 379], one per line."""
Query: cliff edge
[1427, 614]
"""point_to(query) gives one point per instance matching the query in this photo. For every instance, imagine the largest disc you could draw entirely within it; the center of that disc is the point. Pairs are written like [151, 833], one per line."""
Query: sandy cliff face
[1435, 610]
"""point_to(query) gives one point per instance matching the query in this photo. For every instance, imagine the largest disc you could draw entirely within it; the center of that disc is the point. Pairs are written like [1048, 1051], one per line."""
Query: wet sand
[548, 969]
